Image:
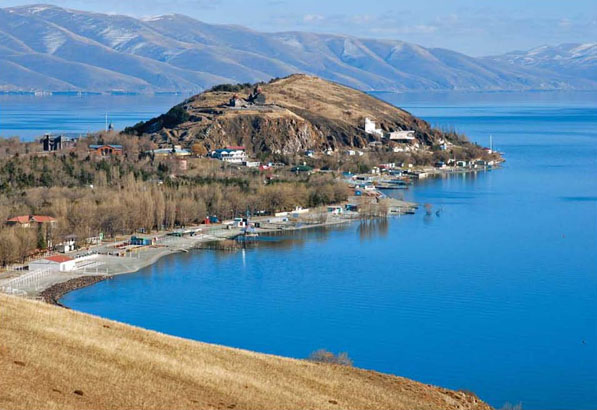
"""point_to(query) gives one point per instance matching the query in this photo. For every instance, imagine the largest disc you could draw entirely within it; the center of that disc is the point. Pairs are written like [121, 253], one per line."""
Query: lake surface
[497, 294]
[29, 116]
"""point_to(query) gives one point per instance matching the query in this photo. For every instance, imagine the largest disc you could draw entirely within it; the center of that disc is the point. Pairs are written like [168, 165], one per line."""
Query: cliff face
[300, 112]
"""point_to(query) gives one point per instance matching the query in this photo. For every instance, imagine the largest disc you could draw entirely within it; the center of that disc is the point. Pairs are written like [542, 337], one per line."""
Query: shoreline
[56, 290]
[60, 283]
[54, 293]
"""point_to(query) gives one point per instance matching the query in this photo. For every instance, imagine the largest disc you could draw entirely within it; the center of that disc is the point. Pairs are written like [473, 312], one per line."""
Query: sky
[474, 27]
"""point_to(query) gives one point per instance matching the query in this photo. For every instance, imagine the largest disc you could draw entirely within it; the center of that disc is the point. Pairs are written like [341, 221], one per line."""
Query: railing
[32, 280]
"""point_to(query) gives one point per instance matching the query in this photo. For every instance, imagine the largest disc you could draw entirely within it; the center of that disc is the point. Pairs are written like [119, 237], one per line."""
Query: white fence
[30, 280]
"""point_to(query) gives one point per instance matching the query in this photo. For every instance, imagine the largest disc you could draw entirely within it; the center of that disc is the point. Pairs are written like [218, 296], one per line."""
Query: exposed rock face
[302, 112]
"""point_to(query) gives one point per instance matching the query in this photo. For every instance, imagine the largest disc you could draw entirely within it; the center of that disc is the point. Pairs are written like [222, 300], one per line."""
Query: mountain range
[48, 48]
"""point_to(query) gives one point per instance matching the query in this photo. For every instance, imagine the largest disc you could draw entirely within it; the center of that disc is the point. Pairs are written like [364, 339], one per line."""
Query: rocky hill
[299, 112]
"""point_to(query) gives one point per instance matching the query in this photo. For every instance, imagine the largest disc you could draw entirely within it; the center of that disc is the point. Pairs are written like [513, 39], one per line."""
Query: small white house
[251, 164]
[404, 136]
[370, 128]
[350, 152]
[68, 245]
[234, 154]
[59, 263]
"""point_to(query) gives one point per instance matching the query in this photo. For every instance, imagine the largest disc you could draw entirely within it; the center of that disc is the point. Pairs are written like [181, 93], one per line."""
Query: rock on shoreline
[53, 294]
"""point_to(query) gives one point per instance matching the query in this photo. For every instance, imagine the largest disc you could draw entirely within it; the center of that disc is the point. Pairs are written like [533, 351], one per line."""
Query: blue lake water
[497, 294]
[29, 116]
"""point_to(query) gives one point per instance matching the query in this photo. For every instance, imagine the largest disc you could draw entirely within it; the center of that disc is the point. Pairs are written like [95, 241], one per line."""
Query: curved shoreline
[54, 293]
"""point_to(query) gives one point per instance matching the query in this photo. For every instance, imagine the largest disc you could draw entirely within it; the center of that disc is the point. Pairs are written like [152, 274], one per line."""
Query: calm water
[497, 295]
[28, 116]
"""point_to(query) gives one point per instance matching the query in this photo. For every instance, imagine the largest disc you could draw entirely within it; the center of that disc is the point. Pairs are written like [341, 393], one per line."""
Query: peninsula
[216, 171]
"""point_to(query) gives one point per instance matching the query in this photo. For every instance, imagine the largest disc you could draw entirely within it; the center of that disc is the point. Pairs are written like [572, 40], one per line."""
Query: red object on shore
[59, 258]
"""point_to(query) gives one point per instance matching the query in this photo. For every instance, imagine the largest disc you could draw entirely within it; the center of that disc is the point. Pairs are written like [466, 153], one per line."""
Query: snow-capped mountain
[49, 48]
[574, 59]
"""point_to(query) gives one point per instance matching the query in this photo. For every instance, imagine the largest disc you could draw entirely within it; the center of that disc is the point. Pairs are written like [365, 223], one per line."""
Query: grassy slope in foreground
[47, 353]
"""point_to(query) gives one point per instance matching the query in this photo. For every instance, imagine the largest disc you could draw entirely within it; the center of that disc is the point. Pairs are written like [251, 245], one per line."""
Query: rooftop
[23, 219]
[59, 258]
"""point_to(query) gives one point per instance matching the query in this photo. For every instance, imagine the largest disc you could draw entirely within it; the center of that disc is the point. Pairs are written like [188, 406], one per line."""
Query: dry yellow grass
[53, 358]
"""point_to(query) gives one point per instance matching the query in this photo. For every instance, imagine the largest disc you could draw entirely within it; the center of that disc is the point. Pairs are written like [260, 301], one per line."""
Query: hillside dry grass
[54, 358]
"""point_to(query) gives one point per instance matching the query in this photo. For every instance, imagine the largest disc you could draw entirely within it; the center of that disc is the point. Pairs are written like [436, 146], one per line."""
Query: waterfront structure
[59, 263]
[138, 241]
[233, 154]
[335, 210]
[105, 150]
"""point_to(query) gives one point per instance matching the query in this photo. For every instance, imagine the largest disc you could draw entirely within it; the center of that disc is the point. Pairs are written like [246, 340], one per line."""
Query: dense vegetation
[119, 195]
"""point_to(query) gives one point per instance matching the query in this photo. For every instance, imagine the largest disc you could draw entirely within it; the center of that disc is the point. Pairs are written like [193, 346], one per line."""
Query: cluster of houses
[56, 143]
[45, 224]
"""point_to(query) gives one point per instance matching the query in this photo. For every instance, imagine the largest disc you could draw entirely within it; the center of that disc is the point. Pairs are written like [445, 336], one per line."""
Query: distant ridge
[48, 48]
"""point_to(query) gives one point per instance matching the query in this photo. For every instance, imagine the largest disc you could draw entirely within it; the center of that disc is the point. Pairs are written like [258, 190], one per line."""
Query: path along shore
[107, 260]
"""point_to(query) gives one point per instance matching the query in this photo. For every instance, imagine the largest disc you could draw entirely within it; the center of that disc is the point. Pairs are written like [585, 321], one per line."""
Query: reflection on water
[369, 228]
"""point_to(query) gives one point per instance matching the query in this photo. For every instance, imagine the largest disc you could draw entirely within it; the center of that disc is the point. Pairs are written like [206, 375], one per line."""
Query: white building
[68, 245]
[235, 155]
[59, 263]
[404, 136]
[370, 128]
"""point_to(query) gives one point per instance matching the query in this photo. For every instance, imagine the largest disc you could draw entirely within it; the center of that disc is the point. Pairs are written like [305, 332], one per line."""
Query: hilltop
[48, 48]
[297, 113]
[54, 358]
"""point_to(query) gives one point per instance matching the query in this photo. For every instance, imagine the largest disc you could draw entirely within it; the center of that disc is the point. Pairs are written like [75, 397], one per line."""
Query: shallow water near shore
[497, 294]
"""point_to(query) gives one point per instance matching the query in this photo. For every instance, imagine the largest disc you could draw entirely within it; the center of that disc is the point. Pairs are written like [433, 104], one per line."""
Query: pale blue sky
[480, 27]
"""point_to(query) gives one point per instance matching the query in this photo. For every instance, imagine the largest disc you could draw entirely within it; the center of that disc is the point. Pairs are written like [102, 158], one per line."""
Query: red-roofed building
[60, 263]
[27, 221]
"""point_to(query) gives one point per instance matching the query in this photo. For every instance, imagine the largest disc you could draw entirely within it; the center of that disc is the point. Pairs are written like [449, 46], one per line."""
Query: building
[138, 241]
[50, 143]
[335, 210]
[68, 245]
[237, 102]
[251, 164]
[401, 136]
[370, 128]
[233, 154]
[106, 150]
[28, 221]
[59, 263]
[257, 97]
[176, 151]
[240, 222]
